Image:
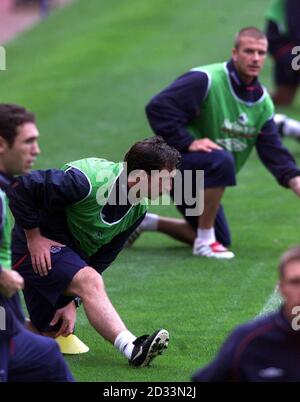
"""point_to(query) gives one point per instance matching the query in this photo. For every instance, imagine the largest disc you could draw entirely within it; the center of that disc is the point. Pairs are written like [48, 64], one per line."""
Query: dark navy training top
[39, 200]
[171, 110]
[265, 349]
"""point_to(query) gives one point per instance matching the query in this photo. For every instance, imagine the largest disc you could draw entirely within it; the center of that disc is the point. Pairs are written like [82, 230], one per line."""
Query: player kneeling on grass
[265, 349]
[71, 223]
[215, 115]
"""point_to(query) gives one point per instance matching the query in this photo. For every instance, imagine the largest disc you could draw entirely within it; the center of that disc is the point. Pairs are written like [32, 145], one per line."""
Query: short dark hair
[152, 154]
[253, 32]
[292, 254]
[11, 117]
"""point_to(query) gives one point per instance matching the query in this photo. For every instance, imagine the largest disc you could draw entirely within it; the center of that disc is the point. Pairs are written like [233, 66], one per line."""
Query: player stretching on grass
[215, 115]
[86, 210]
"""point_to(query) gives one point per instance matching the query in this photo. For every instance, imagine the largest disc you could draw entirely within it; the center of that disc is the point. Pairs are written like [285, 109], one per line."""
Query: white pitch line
[272, 304]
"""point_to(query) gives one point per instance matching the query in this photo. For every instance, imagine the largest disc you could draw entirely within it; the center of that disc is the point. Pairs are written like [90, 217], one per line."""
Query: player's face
[20, 157]
[249, 57]
[290, 284]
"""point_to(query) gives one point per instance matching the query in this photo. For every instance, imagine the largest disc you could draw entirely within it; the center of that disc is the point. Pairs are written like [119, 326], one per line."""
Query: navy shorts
[219, 171]
[44, 295]
[280, 48]
[27, 357]
[283, 72]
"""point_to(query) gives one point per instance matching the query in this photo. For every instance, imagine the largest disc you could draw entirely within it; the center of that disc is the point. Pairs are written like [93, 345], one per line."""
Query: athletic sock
[150, 222]
[206, 236]
[291, 128]
[124, 343]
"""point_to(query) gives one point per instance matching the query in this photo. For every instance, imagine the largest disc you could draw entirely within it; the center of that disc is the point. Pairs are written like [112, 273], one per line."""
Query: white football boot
[214, 250]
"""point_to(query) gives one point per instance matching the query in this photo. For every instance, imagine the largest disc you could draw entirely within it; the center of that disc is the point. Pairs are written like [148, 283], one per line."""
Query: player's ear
[280, 287]
[3, 145]
[234, 54]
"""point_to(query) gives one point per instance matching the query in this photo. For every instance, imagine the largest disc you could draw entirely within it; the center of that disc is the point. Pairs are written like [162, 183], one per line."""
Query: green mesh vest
[276, 13]
[6, 224]
[228, 120]
[85, 218]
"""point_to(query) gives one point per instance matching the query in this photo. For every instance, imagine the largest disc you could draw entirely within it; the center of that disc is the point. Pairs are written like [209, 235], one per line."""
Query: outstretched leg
[89, 286]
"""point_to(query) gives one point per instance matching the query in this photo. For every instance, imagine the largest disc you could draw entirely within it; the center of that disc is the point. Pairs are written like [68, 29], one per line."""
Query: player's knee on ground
[222, 228]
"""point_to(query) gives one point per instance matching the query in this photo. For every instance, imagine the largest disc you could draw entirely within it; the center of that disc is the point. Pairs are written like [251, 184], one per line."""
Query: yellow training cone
[71, 345]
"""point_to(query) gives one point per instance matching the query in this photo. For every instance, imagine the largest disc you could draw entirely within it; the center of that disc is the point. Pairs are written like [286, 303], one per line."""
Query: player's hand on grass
[204, 145]
[294, 184]
[10, 282]
[39, 248]
[68, 316]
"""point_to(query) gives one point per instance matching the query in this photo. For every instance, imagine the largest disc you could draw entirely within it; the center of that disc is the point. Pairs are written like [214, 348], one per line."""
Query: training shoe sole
[158, 345]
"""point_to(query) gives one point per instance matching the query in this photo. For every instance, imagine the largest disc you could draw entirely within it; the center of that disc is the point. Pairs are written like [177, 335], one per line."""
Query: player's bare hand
[204, 145]
[68, 316]
[294, 184]
[39, 248]
[10, 282]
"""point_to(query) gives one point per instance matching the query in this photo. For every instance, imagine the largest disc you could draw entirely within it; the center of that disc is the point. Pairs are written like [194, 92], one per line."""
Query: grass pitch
[88, 72]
